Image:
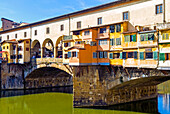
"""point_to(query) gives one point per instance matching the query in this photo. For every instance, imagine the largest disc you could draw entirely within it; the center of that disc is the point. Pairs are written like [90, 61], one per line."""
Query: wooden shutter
[141, 55]
[121, 57]
[162, 56]
[134, 38]
[155, 55]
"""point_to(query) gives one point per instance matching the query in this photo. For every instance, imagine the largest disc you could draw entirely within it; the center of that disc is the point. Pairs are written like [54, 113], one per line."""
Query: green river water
[47, 103]
[54, 101]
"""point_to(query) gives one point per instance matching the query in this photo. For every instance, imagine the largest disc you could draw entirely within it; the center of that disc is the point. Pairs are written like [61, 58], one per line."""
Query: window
[158, 9]
[66, 56]
[112, 42]
[13, 56]
[118, 28]
[7, 47]
[4, 47]
[103, 42]
[125, 15]
[165, 36]
[79, 25]
[25, 34]
[27, 42]
[116, 55]
[118, 41]
[47, 30]
[19, 56]
[7, 37]
[0, 38]
[61, 27]
[102, 30]
[149, 55]
[68, 44]
[133, 55]
[147, 37]
[80, 42]
[76, 33]
[99, 21]
[27, 49]
[112, 28]
[130, 38]
[100, 54]
[87, 32]
[14, 47]
[69, 54]
[105, 54]
[15, 35]
[94, 55]
[167, 56]
[35, 32]
[74, 54]
[110, 55]
[93, 43]
[20, 48]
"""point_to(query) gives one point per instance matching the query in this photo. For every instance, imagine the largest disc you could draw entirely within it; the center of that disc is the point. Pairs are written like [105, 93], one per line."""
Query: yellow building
[164, 49]
[9, 51]
[116, 43]
[16, 51]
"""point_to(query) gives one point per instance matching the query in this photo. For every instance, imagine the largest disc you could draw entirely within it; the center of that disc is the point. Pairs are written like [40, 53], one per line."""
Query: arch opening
[59, 48]
[48, 48]
[35, 49]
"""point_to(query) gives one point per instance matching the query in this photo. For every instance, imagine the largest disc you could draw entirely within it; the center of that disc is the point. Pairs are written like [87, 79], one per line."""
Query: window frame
[126, 15]
[99, 20]
[79, 25]
[160, 10]
[48, 30]
[62, 27]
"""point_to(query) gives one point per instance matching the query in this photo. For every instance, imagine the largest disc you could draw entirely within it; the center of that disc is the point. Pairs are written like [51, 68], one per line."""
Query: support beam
[42, 51]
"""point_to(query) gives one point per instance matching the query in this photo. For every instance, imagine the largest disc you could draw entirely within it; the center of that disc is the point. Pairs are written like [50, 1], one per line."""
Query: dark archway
[48, 77]
[35, 49]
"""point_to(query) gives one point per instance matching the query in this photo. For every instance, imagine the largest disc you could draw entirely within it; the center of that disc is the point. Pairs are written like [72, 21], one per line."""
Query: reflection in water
[50, 102]
[164, 104]
[10, 93]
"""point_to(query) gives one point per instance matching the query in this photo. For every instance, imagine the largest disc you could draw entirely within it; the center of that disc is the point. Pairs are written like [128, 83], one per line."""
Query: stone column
[42, 51]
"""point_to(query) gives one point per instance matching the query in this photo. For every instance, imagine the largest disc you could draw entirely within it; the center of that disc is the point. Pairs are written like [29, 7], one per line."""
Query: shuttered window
[141, 55]
[127, 38]
[162, 56]
[100, 54]
[105, 54]
[155, 55]
[110, 55]
[141, 37]
[94, 55]
[112, 28]
[135, 55]
[134, 38]
[118, 41]
[112, 42]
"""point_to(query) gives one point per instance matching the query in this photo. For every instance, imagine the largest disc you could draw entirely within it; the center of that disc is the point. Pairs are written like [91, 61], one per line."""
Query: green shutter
[162, 56]
[155, 55]
[141, 55]
[163, 37]
[113, 41]
[111, 56]
[167, 36]
[121, 55]
[128, 38]
[146, 37]
[134, 38]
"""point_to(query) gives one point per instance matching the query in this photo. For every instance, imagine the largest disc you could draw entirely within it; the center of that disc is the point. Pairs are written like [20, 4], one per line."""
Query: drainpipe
[164, 11]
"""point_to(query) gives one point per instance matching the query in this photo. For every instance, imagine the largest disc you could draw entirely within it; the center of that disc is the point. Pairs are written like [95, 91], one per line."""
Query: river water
[59, 101]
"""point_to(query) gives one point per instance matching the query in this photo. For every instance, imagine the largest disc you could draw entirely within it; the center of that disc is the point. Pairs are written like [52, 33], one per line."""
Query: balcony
[148, 63]
[68, 37]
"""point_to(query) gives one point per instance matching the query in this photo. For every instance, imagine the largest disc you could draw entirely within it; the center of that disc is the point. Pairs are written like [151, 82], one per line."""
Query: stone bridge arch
[48, 77]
